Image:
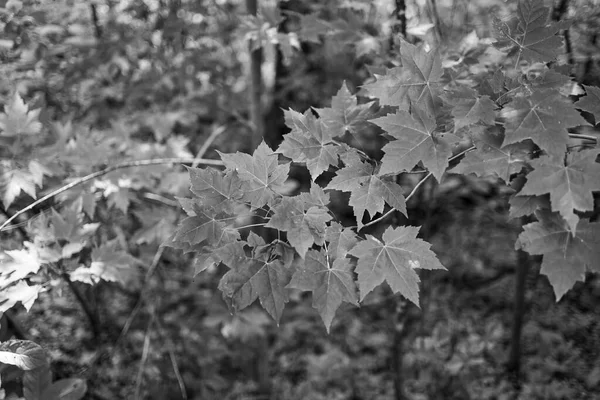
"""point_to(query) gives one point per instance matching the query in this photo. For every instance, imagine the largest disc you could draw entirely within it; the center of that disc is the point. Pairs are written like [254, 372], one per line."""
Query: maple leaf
[345, 115]
[230, 255]
[207, 229]
[68, 226]
[108, 264]
[258, 279]
[19, 292]
[468, 108]
[189, 205]
[120, 198]
[309, 142]
[186, 247]
[415, 141]
[529, 35]
[566, 256]
[548, 79]
[269, 251]
[157, 225]
[330, 283]
[305, 224]
[591, 102]
[316, 196]
[222, 192]
[498, 86]
[491, 158]
[542, 117]
[18, 265]
[569, 184]
[81, 198]
[527, 205]
[368, 191]
[18, 120]
[255, 240]
[38, 171]
[413, 85]
[394, 260]
[261, 174]
[16, 181]
[329, 275]
[340, 240]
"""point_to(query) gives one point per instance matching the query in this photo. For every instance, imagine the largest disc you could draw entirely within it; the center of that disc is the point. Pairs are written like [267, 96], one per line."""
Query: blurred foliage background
[155, 78]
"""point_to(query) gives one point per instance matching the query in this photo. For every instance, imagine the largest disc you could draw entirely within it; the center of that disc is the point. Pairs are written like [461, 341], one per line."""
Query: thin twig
[140, 302]
[174, 363]
[145, 351]
[17, 226]
[207, 144]
[237, 116]
[250, 226]
[127, 164]
[27, 221]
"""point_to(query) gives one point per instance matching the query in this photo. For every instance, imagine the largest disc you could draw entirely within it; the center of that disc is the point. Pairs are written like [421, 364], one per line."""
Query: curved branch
[94, 175]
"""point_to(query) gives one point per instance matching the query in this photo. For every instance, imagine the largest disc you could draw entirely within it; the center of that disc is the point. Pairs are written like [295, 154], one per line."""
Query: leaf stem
[251, 226]
[583, 137]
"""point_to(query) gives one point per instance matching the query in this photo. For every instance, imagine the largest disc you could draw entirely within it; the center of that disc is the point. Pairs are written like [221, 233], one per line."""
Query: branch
[87, 309]
[17, 226]
[571, 135]
[94, 175]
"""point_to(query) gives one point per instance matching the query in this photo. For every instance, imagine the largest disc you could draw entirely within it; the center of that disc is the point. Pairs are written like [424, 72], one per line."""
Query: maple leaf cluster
[516, 125]
[320, 255]
[501, 111]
